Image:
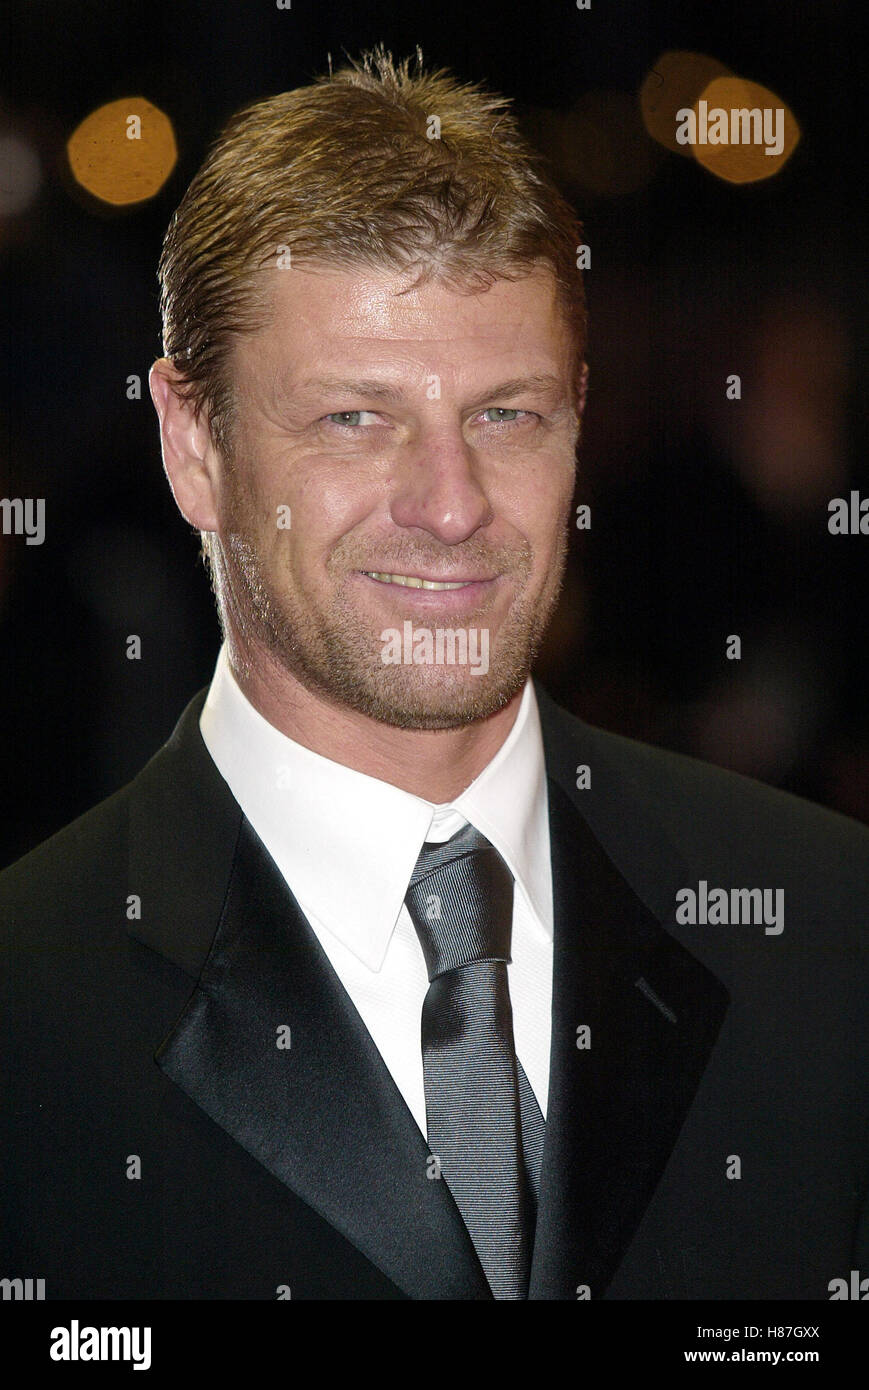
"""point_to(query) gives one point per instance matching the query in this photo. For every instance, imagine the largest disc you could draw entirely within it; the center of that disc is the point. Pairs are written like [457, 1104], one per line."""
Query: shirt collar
[347, 843]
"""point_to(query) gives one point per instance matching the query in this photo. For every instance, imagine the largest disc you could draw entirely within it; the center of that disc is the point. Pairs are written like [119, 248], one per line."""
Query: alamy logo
[732, 907]
[76, 1343]
[741, 125]
[855, 1288]
[849, 517]
[24, 1290]
[24, 516]
[444, 647]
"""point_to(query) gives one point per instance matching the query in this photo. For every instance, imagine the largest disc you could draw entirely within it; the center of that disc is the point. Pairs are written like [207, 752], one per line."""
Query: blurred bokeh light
[749, 160]
[123, 152]
[20, 175]
[676, 81]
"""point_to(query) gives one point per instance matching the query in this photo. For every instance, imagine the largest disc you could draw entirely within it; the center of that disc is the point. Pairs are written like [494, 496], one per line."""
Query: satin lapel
[322, 1114]
[616, 1106]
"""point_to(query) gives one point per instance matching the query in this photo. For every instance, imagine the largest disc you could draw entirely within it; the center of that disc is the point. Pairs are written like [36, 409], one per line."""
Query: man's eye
[498, 415]
[351, 417]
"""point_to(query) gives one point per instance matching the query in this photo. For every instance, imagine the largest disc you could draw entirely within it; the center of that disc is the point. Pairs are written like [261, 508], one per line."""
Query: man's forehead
[383, 297]
[325, 318]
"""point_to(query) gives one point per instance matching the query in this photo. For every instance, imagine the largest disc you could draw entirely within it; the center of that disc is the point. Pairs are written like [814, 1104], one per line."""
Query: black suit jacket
[711, 1142]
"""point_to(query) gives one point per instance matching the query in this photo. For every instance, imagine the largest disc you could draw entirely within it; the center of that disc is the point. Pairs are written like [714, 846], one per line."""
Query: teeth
[410, 581]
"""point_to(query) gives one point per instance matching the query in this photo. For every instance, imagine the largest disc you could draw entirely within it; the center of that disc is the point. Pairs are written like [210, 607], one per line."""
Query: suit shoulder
[85, 861]
[698, 803]
[71, 865]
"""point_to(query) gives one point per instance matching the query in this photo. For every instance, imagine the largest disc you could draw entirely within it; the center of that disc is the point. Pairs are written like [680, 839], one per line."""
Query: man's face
[387, 434]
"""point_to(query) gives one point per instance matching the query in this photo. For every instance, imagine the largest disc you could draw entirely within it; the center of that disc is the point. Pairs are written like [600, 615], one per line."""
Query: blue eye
[503, 416]
[350, 418]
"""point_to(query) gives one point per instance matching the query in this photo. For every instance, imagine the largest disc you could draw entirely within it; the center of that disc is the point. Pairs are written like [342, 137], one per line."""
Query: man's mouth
[415, 581]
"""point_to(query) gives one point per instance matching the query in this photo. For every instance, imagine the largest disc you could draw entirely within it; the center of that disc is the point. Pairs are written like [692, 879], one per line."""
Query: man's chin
[408, 698]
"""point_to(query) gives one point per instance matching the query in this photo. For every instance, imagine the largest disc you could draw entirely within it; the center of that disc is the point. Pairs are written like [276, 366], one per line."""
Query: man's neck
[435, 764]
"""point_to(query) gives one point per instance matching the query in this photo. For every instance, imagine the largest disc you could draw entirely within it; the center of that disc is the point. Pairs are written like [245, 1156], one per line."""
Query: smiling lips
[413, 581]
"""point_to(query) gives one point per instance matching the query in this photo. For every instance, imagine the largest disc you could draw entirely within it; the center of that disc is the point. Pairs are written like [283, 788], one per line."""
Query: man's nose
[438, 488]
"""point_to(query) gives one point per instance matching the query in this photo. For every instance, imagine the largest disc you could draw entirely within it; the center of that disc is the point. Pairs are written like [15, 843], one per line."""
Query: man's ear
[190, 458]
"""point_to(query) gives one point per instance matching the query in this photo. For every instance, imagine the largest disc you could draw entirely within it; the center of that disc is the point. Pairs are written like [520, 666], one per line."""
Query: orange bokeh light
[123, 152]
[775, 132]
[676, 81]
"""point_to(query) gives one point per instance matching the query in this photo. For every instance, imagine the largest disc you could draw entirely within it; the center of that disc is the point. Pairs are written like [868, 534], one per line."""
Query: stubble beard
[335, 653]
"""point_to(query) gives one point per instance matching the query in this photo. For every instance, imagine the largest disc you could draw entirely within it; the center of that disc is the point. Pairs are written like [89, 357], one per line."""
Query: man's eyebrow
[518, 386]
[381, 390]
[358, 387]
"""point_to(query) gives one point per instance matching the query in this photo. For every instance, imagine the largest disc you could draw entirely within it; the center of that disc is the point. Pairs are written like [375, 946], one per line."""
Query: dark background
[709, 517]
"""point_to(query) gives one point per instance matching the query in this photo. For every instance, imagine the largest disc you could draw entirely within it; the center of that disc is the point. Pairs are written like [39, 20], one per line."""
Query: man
[386, 978]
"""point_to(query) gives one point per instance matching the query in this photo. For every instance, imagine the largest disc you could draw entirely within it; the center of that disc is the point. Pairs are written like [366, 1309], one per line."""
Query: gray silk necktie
[483, 1121]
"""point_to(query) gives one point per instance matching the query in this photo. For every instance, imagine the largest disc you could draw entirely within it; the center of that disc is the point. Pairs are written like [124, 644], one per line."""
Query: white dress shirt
[346, 845]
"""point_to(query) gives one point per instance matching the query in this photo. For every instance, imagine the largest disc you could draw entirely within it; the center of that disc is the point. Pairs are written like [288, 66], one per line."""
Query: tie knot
[460, 900]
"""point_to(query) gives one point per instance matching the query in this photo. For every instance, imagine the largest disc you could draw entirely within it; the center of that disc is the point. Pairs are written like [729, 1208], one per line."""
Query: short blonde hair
[377, 165]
